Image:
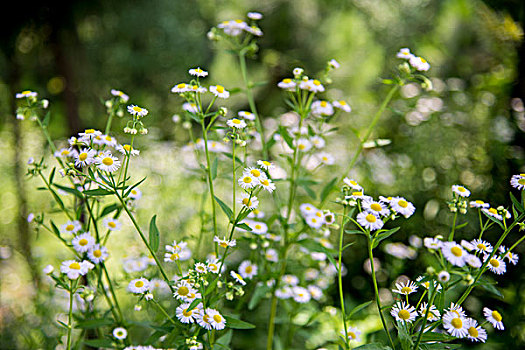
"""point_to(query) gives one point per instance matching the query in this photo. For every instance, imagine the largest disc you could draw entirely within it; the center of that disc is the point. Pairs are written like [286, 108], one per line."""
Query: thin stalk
[55, 196]
[210, 181]
[451, 235]
[427, 311]
[376, 292]
[340, 277]
[112, 291]
[233, 176]
[164, 312]
[70, 318]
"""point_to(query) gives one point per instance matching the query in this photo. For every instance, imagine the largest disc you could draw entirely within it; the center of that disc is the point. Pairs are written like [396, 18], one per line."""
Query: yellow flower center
[319, 214]
[246, 202]
[247, 179]
[266, 163]
[82, 156]
[479, 202]
[494, 262]
[403, 203]
[255, 172]
[258, 227]
[139, 284]
[112, 224]
[220, 89]
[236, 121]
[351, 335]
[461, 189]
[473, 332]
[83, 242]
[89, 131]
[183, 291]
[174, 256]
[107, 161]
[403, 314]
[497, 316]
[265, 182]
[70, 227]
[137, 109]
[482, 246]
[357, 194]
[314, 220]
[493, 211]
[521, 181]
[456, 323]
[64, 152]
[133, 192]
[206, 318]
[457, 251]
[249, 269]
[27, 92]
[423, 60]
[302, 147]
[127, 148]
[317, 82]
[287, 81]
[406, 290]
[342, 103]
[371, 218]
[97, 253]
[323, 104]
[181, 86]
[74, 266]
[376, 207]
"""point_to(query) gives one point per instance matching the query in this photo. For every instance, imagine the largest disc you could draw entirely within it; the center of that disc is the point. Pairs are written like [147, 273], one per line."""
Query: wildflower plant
[291, 256]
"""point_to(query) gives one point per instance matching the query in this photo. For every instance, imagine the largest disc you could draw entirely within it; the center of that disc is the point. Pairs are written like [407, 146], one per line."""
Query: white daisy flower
[85, 157]
[248, 201]
[492, 212]
[107, 162]
[247, 182]
[432, 243]
[120, 333]
[314, 221]
[254, 15]
[518, 181]
[473, 261]
[198, 72]
[510, 256]
[112, 224]
[201, 268]
[26, 94]
[247, 269]
[246, 115]
[433, 313]
[482, 246]
[213, 265]
[479, 204]
[219, 91]
[236, 123]
[89, 134]
[70, 227]
[266, 165]
[369, 221]
[238, 278]
[315, 292]
[287, 84]
[475, 333]
[99, 140]
[496, 264]
[284, 292]
[137, 111]
[83, 242]
[494, 317]
[378, 208]
[408, 288]
[127, 149]
[404, 53]
[460, 191]
[258, 228]
[66, 153]
[118, 93]
[402, 206]
[301, 295]
[224, 242]
[419, 63]
[352, 184]
[184, 315]
[322, 108]
[403, 312]
[443, 277]
[454, 253]
[454, 324]
[234, 27]
[217, 321]
[183, 290]
[326, 158]
[302, 144]
[138, 286]
[190, 107]
[203, 319]
[291, 280]
[457, 309]
[467, 245]
[307, 209]
[342, 105]
[255, 173]
[74, 269]
[353, 334]
[135, 194]
[329, 217]
[48, 269]
[318, 141]
[271, 255]
[97, 253]
[312, 85]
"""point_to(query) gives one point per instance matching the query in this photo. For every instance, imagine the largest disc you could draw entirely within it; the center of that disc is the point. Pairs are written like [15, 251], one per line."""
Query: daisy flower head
[322, 108]
[66, 153]
[455, 324]
[233, 27]
[473, 261]
[213, 265]
[493, 212]
[352, 333]
[518, 181]
[127, 149]
[326, 158]
[432, 243]
[247, 269]
[200, 268]
[217, 321]
[375, 207]
[266, 165]
[247, 181]
[246, 115]
[287, 84]
[74, 269]
[314, 221]
[369, 221]
[404, 53]
[342, 105]
[494, 317]
[443, 277]
[479, 204]
[238, 278]
[258, 228]
[513, 258]
[271, 255]
[236, 123]
[135, 194]
[318, 141]
[475, 333]
[71, 227]
[107, 162]
[89, 134]
[224, 242]
[83, 242]
[98, 253]
[117, 93]
[496, 265]
[85, 157]
[185, 315]
[268, 185]
[190, 107]
[198, 72]
[454, 253]
[137, 111]
[26, 94]
[403, 312]
[402, 206]
[301, 295]
[203, 319]
[303, 145]
[120, 333]
[183, 290]
[481, 246]
[307, 209]
[419, 63]
[112, 224]
[460, 191]
[407, 288]
[433, 313]
[138, 286]
[333, 64]
[219, 91]
[312, 85]
[329, 217]
[254, 15]
[248, 201]
[352, 184]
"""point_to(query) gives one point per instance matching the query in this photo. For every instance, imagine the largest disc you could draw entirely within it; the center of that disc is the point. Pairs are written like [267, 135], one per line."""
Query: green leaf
[96, 323]
[243, 226]
[358, 308]
[257, 296]
[109, 209]
[98, 192]
[52, 176]
[287, 138]
[194, 304]
[100, 343]
[235, 323]
[46, 120]
[355, 232]
[432, 336]
[404, 338]
[154, 234]
[132, 187]
[308, 190]
[383, 236]
[327, 189]
[55, 228]
[224, 340]
[318, 247]
[214, 167]
[71, 190]
[491, 288]
[225, 208]
[237, 159]
[516, 203]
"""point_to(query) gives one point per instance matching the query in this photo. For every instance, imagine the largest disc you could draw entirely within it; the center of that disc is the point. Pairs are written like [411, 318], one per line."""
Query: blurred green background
[469, 130]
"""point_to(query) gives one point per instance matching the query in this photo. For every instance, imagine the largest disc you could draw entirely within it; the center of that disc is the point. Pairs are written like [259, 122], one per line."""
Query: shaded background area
[469, 130]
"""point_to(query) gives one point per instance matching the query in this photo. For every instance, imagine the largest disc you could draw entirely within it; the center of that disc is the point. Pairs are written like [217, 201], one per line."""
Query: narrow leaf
[235, 323]
[154, 234]
[225, 208]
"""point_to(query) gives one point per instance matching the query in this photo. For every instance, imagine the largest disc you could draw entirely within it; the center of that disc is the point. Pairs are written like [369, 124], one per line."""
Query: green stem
[233, 175]
[451, 235]
[210, 180]
[164, 312]
[112, 291]
[376, 292]
[340, 277]
[55, 196]
[70, 318]
[427, 311]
